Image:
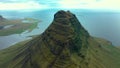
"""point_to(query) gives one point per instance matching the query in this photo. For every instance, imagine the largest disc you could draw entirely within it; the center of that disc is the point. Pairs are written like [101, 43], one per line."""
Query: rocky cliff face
[65, 44]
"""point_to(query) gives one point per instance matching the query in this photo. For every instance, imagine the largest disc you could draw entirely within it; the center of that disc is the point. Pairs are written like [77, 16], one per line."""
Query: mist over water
[99, 24]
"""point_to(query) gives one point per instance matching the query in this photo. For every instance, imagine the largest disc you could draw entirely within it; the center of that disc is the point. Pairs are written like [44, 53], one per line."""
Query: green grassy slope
[6, 55]
[118, 47]
[103, 54]
[100, 54]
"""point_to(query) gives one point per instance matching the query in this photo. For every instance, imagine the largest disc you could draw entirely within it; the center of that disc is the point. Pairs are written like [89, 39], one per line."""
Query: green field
[18, 26]
[8, 54]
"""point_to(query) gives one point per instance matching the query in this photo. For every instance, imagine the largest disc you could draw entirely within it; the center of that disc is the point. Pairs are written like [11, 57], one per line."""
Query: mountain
[2, 18]
[64, 44]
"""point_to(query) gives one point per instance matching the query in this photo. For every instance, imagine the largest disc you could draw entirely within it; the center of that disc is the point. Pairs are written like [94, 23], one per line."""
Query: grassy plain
[18, 26]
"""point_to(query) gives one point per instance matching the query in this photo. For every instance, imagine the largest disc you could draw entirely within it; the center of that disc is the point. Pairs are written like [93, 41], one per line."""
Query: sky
[47, 4]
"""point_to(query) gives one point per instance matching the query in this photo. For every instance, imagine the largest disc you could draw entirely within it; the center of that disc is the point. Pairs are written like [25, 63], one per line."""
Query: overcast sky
[45, 4]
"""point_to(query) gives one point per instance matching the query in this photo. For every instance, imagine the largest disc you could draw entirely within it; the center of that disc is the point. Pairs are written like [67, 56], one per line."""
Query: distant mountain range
[64, 44]
[2, 18]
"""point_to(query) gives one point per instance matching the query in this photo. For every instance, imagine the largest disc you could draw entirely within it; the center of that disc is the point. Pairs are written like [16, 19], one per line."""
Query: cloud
[81, 4]
[10, 1]
[75, 3]
[91, 4]
[50, 3]
[21, 5]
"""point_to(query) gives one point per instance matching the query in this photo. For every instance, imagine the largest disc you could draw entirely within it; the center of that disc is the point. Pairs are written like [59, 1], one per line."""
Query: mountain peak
[65, 29]
[64, 37]
[66, 21]
[63, 14]
[1, 18]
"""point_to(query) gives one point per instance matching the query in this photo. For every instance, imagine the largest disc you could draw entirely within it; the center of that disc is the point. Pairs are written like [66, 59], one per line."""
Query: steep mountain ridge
[65, 44]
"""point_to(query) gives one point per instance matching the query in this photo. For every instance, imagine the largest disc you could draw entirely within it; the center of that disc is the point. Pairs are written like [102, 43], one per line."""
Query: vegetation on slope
[6, 55]
[98, 56]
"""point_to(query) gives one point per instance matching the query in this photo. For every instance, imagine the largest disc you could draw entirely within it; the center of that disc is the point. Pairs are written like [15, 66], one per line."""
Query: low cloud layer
[44, 4]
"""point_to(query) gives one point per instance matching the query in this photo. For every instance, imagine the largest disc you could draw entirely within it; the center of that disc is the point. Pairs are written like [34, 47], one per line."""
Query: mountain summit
[66, 31]
[54, 48]
[64, 44]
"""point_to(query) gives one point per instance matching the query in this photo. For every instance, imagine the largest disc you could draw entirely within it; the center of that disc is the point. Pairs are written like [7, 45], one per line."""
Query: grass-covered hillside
[6, 55]
[98, 56]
